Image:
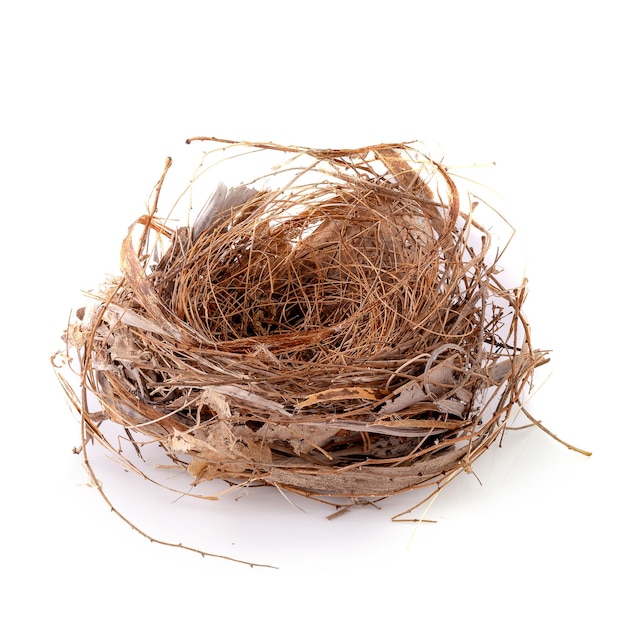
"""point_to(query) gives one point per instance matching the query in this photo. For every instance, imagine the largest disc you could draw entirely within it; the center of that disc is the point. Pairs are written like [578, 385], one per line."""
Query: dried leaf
[341, 393]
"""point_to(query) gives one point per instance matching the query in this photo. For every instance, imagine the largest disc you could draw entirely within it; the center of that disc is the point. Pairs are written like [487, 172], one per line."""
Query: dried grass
[336, 328]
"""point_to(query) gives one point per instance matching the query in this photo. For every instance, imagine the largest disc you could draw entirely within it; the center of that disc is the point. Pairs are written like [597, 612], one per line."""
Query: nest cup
[334, 326]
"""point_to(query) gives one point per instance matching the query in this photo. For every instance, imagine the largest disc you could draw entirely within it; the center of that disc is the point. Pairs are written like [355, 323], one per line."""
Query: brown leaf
[343, 393]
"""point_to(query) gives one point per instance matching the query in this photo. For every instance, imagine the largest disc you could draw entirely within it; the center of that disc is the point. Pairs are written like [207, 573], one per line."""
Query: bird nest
[335, 327]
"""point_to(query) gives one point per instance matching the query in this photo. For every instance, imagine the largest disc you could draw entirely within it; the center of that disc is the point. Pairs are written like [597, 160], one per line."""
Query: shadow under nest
[341, 332]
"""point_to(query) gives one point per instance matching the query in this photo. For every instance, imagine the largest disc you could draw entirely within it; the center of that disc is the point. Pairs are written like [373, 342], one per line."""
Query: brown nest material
[336, 328]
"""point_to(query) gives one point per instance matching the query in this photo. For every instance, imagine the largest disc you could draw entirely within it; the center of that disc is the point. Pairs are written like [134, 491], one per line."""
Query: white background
[96, 95]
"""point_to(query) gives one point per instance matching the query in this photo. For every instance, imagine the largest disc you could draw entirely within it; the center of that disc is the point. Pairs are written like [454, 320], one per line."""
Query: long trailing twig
[542, 427]
[151, 538]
